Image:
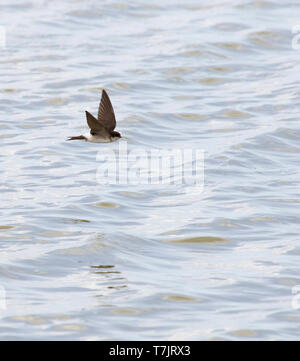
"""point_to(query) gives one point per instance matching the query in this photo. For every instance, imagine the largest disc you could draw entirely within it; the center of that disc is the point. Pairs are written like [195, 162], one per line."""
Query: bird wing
[95, 126]
[106, 114]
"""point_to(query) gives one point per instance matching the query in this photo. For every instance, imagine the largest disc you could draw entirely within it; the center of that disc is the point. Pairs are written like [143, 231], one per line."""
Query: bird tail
[76, 138]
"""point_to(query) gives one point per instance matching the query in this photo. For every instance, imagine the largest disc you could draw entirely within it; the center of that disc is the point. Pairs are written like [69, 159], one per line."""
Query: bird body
[88, 137]
[101, 129]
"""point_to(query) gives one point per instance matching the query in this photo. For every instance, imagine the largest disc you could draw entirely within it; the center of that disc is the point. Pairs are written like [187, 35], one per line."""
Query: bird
[101, 129]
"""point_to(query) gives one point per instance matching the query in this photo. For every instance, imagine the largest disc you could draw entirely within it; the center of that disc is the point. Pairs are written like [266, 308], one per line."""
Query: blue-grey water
[87, 261]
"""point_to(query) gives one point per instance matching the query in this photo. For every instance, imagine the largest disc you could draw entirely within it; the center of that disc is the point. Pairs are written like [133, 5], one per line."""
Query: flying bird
[102, 129]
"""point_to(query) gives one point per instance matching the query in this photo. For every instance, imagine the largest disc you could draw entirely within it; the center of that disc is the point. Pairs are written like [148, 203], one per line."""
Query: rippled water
[82, 260]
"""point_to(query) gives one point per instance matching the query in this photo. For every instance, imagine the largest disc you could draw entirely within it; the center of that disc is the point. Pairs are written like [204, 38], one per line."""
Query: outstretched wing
[106, 115]
[95, 126]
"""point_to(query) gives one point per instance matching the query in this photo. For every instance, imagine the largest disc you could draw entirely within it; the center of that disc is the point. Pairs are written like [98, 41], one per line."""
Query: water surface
[86, 261]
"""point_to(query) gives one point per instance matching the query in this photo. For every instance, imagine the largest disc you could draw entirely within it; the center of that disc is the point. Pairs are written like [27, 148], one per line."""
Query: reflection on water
[200, 240]
[143, 261]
